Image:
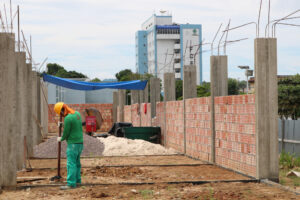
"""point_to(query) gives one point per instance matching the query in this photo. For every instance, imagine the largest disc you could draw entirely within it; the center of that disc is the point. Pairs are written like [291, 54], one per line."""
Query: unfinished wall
[235, 133]
[138, 114]
[235, 129]
[105, 110]
[198, 132]
[127, 113]
[175, 125]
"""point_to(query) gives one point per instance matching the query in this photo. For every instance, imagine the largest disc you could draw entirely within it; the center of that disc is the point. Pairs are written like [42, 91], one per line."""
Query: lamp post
[248, 72]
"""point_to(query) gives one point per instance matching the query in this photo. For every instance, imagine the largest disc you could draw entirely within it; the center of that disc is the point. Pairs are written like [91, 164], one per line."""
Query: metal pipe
[258, 21]
[11, 19]
[6, 18]
[19, 44]
[212, 43]
[279, 20]
[297, 25]
[243, 26]
[224, 50]
[269, 10]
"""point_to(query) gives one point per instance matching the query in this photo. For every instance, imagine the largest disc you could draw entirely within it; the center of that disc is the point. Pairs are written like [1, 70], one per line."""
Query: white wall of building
[190, 44]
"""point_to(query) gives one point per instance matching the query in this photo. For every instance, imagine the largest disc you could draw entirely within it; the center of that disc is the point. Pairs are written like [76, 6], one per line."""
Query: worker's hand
[58, 139]
[60, 123]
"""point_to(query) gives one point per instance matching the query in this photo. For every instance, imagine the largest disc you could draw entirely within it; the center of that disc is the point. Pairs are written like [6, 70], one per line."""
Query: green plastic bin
[150, 134]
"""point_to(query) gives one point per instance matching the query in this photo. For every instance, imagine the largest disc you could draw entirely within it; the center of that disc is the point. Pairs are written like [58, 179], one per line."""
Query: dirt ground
[100, 171]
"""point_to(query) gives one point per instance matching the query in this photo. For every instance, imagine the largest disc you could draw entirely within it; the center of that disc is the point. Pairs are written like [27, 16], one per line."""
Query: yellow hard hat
[58, 106]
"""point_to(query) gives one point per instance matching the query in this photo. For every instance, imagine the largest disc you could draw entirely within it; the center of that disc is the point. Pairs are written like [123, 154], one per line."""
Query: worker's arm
[67, 129]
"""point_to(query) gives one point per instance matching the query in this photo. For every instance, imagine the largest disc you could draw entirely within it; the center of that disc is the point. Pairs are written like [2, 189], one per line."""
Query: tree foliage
[233, 86]
[95, 80]
[179, 89]
[59, 71]
[289, 97]
[203, 90]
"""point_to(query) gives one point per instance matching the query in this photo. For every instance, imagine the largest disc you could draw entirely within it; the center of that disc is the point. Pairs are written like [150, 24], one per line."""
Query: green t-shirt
[73, 129]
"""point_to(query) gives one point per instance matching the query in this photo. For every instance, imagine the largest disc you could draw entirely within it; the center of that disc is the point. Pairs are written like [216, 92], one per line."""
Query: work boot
[66, 187]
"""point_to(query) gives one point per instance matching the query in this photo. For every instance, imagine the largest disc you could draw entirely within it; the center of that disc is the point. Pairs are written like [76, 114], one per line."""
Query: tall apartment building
[163, 46]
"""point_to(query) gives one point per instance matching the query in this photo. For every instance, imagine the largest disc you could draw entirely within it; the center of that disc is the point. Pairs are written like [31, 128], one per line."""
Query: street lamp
[248, 72]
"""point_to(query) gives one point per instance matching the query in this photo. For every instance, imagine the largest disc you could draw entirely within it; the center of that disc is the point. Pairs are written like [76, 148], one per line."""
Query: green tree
[179, 89]
[124, 75]
[242, 85]
[95, 80]
[289, 97]
[233, 86]
[59, 71]
[203, 90]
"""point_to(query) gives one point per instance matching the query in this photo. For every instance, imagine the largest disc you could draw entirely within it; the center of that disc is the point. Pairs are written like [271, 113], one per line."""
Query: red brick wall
[105, 110]
[235, 133]
[174, 125]
[135, 115]
[127, 114]
[198, 132]
[146, 114]
[159, 120]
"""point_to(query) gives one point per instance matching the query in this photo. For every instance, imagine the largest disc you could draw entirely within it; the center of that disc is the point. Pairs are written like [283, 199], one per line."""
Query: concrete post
[189, 91]
[218, 87]
[169, 87]
[154, 94]
[122, 99]
[29, 103]
[115, 106]
[44, 108]
[266, 108]
[8, 107]
[144, 94]
[135, 96]
[219, 75]
[33, 117]
[189, 82]
[21, 106]
[39, 109]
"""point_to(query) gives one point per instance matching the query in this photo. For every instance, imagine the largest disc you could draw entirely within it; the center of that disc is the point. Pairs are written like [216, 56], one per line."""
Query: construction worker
[73, 135]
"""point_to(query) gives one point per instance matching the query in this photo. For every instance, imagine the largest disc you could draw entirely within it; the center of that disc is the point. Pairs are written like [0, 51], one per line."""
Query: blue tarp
[81, 85]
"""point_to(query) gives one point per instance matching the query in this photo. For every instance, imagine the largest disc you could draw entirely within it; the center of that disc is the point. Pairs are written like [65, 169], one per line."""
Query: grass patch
[288, 162]
[146, 194]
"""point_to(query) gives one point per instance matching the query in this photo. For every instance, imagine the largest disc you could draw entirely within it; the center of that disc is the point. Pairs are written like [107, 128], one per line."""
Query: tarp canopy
[81, 85]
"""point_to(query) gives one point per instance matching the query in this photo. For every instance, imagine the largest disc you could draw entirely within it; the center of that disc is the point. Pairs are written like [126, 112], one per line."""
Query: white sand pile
[117, 146]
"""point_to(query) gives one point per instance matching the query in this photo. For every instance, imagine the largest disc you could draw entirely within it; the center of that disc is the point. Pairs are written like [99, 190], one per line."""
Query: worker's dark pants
[73, 164]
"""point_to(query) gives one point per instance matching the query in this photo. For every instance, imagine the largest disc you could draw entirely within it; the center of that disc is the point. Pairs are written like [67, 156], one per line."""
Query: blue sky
[97, 37]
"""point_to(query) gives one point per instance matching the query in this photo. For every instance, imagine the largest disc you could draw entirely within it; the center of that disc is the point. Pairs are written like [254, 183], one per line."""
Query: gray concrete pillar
[39, 110]
[8, 107]
[135, 96]
[266, 108]
[29, 110]
[144, 94]
[154, 94]
[21, 106]
[169, 87]
[115, 106]
[219, 75]
[34, 115]
[189, 91]
[218, 87]
[44, 108]
[121, 101]
[189, 82]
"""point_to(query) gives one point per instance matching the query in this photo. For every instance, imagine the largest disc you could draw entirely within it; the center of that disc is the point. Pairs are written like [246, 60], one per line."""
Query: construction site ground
[142, 177]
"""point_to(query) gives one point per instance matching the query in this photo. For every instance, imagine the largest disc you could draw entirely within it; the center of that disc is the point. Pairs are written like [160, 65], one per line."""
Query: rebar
[258, 21]
[243, 26]
[297, 25]
[274, 24]
[279, 20]
[212, 43]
